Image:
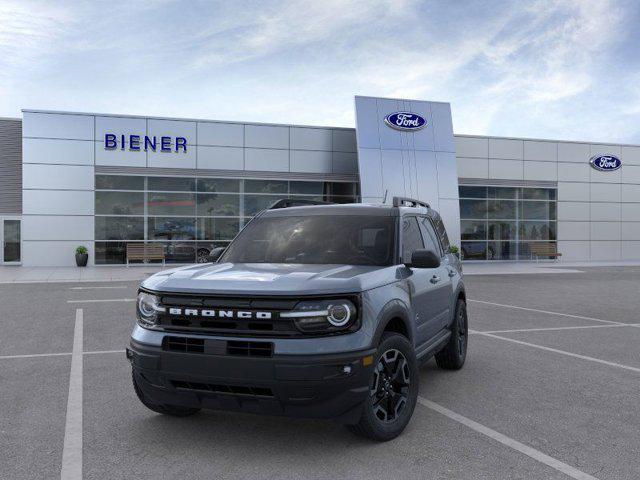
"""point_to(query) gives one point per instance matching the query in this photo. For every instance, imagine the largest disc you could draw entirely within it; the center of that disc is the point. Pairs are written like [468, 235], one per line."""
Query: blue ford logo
[605, 163]
[405, 121]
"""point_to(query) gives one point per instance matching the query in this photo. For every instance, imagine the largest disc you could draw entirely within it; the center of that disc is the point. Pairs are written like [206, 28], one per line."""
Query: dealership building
[106, 181]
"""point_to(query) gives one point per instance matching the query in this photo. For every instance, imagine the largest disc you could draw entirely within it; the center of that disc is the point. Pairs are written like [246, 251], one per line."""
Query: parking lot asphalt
[550, 390]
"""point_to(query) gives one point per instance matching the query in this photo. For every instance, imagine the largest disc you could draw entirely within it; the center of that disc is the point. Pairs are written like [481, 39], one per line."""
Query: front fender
[395, 309]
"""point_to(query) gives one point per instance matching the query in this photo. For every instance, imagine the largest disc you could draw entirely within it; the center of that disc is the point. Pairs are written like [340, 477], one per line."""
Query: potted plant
[82, 256]
[454, 249]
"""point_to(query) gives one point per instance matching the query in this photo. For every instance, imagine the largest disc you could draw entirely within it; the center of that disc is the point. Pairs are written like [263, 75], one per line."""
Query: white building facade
[104, 181]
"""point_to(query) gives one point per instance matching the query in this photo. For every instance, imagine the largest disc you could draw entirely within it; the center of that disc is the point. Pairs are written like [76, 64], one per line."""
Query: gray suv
[318, 311]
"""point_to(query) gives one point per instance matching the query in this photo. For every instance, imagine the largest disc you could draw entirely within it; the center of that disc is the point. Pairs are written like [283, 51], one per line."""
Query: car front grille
[224, 389]
[232, 326]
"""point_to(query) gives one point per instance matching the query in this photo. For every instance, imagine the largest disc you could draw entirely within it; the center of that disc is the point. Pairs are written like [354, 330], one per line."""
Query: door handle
[452, 272]
[435, 279]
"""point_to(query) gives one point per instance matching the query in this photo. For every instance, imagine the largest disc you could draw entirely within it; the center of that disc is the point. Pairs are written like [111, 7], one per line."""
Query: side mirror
[424, 259]
[216, 253]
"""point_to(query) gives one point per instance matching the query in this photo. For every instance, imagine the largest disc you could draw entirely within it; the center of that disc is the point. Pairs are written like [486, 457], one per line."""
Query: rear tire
[173, 410]
[393, 390]
[453, 355]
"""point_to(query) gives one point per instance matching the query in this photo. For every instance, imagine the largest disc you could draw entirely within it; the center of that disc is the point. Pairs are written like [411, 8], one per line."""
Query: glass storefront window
[254, 204]
[502, 192]
[107, 253]
[343, 189]
[218, 228]
[171, 204]
[538, 194]
[474, 250]
[119, 228]
[537, 231]
[171, 228]
[307, 188]
[515, 216]
[473, 230]
[10, 241]
[472, 192]
[190, 216]
[119, 203]
[473, 209]
[210, 204]
[265, 186]
[502, 209]
[502, 251]
[502, 231]
[171, 184]
[119, 182]
[214, 185]
[532, 210]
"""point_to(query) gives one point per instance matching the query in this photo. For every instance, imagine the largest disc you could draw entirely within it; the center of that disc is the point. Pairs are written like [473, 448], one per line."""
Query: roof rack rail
[409, 202]
[295, 202]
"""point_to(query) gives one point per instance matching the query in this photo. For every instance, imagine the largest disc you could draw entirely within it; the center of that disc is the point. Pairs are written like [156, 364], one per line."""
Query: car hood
[270, 279]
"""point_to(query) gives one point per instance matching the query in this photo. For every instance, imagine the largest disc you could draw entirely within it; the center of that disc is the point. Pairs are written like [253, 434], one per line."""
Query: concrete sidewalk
[19, 274]
[528, 268]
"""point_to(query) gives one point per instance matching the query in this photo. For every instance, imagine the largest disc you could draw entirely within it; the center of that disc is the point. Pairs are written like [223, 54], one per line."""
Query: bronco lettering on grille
[241, 314]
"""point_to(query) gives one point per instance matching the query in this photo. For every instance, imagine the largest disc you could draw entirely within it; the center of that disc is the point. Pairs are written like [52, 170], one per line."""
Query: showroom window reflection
[501, 223]
[190, 216]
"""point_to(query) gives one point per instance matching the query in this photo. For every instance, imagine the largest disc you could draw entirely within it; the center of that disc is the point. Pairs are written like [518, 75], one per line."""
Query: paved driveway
[550, 390]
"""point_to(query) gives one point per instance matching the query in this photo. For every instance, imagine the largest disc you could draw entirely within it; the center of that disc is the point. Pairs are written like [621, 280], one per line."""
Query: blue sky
[546, 69]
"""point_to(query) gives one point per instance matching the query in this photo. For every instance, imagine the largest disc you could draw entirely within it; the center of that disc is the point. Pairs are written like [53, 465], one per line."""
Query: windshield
[350, 240]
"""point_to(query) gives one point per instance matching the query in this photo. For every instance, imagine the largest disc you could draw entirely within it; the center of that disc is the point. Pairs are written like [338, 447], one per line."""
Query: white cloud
[518, 69]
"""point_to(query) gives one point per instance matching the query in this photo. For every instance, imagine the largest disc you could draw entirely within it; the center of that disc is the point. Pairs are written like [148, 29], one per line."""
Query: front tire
[173, 410]
[453, 355]
[393, 390]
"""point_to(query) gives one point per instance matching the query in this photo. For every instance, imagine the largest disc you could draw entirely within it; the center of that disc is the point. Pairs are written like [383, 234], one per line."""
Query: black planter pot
[81, 259]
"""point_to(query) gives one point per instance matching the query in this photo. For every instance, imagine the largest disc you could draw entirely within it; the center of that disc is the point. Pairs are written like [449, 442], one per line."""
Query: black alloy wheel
[393, 390]
[202, 256]
[390, 389]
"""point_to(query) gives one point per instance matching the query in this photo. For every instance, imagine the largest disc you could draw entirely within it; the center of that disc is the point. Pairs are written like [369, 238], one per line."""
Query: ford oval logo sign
[605, 163]
[405, 121]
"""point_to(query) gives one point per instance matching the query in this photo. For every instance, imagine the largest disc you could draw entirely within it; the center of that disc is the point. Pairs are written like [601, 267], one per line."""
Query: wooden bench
[144, 252]
[544, 250]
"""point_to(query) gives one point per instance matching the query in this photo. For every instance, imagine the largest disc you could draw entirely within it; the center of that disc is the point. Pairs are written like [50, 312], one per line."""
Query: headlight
[148, 308]
[323, 316]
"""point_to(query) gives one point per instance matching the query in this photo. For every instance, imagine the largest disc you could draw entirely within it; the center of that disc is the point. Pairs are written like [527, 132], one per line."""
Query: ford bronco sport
[319, 311]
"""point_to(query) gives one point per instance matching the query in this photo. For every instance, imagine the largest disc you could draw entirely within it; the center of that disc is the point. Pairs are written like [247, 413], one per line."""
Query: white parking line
[120, 287]
[547, 329]
[33, 355]
[103, 300]
[100, 352]
[509, 442]
[72, 449]
[547, 312]
[61, 354]
[561, 352]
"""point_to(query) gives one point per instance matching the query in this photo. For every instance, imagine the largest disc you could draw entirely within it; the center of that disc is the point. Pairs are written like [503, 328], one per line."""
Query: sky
[540, 69]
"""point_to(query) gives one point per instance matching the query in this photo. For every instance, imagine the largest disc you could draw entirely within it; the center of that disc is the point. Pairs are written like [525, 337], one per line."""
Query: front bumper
[312, 386]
